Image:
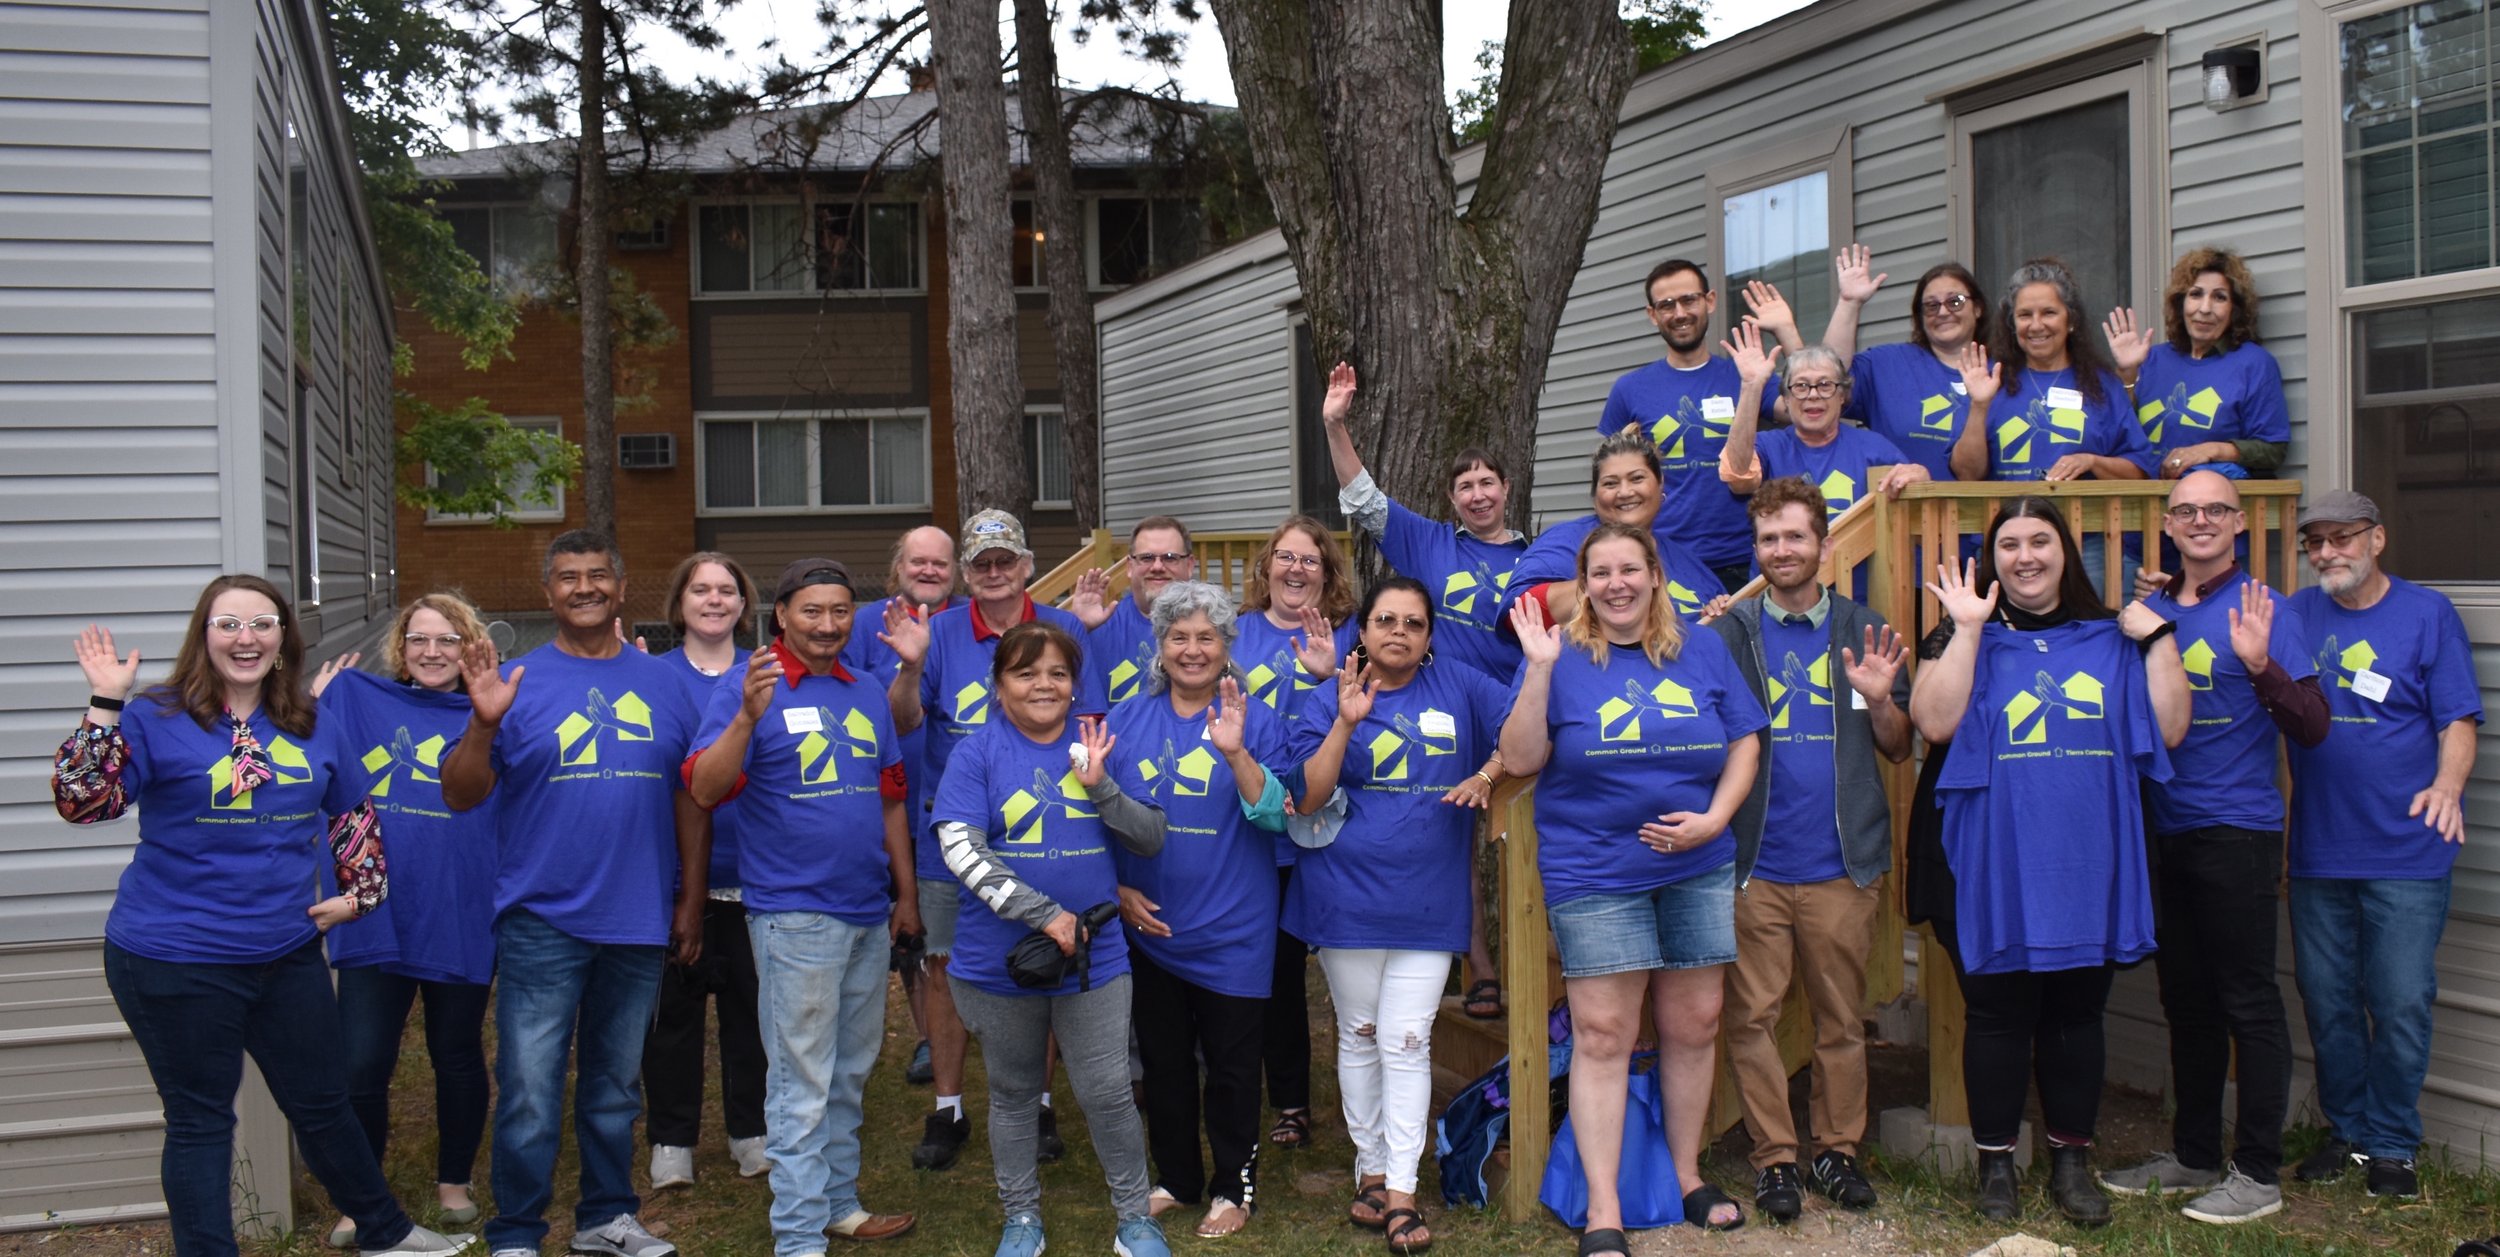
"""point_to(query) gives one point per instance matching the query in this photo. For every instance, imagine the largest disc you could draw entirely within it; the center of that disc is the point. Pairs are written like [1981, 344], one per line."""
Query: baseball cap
[992, 530]
[808, 572]
[2339, 506]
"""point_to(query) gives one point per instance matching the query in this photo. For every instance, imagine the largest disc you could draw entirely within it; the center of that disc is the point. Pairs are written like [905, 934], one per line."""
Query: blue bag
[1477, 1120]
[1651, 1195]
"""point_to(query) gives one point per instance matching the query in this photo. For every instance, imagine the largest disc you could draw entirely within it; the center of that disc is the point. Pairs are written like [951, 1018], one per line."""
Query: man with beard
[1119, 639]
[2377, 816]
[584, 736]
[1687, 400]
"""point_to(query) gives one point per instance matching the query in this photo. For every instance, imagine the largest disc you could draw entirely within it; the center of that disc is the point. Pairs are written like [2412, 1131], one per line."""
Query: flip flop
[1376, 1197]
[1486, 993]
[1397, 1233]
[1701, 1200]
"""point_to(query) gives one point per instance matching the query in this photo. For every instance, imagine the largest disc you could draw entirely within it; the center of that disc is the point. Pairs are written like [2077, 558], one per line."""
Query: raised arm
[1754, 362]
[1527, 739]
[469, 769]
[1980, 379]
[1320, 771]
[1941, 694]
[1854, 288]
[1138, 825]
[907, 635]
[2165, 676]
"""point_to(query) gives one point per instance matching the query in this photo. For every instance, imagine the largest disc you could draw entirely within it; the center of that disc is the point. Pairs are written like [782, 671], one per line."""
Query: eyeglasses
[993, 566]
[1388, 620]
[1307, 562]
[2186, 512]
[1688, 303]
[1949, 304]
[419, 641]
[2312, 543]
[1167, 558]
[1813, 389]
[233, 626]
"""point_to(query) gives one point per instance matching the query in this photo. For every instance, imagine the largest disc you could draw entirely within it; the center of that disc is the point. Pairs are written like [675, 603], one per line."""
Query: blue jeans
[373, 1014]
[2366, 952]
[820, 996]
[546, 982]
[194, 1023]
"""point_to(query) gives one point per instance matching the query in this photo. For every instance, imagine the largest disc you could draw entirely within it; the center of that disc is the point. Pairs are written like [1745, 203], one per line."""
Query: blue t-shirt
[1214, 881]
[700, 690]
[2351, 791]
[869, 657]
[1687, 413]
[1837, 467]
[587, 766]
[1555, 556]
[1470, 576]
[438, 923]
[812, 816]
[219, 878]
[1801, 823]
[1633, 740]
[2042, 417]
[1903, 393]
[2041, 789]
[1396, 877]
[1275, 678]
[1125, 644]
[1025, 798]
[955, 684]
[2224, 770]
[2236, 396]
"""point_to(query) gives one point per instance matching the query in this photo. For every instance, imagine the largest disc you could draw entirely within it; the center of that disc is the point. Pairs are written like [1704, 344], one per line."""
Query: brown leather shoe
[874, 1226]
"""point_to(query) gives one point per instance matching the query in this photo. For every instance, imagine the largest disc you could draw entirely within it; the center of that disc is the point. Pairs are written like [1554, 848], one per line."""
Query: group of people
[1108, 837]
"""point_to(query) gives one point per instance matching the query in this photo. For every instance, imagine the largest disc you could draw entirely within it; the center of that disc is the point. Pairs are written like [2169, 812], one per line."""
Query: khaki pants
[1830, 928]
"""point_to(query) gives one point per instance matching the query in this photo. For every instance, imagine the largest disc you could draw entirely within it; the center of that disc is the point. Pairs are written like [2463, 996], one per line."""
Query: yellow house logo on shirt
[2019, 433]
[972, 704]
[1839, 490]
[1266, 680]
[2198, 659]
[822, 751]
[1126, 673]
[404, 754]
[1185, 775]
[1937, 413]
[1027, 809]
[287, 767]
[2027, 713]
[1619, 719]
[2191, 411]
[2341, 662]
[578, 735]
[1668, 433]
[1393, 749]
[1460, 591]
[1797, 678]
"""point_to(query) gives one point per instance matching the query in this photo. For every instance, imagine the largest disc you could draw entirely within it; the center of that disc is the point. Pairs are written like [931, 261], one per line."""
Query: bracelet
[101, 703]
[1488, 781]
[2167, 627]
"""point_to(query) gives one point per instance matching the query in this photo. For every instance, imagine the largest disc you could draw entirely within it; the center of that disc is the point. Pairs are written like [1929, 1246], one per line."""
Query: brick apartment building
[802, 407]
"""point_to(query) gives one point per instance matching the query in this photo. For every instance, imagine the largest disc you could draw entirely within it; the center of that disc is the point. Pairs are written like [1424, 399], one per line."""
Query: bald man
[2218, 858]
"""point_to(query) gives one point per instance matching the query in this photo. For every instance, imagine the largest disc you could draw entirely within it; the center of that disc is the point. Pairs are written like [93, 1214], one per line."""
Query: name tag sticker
[1437, 724]
[1718, 408]
[1857, 701]
[2369, 685]
[803, 720]
[2065, 399]
[1961, 389]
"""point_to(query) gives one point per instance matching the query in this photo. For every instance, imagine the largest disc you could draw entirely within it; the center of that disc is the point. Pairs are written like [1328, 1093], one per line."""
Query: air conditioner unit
[646, 451]
[648, 239]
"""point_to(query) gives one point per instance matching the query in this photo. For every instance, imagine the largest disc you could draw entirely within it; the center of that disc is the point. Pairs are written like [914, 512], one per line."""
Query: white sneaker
[514, 1252]
[749, 1154]
[421, 1242]
[671, 1166]
[623, 1236]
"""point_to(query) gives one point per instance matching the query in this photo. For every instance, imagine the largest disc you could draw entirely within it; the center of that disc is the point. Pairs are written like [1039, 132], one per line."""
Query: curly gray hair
[1180, 600]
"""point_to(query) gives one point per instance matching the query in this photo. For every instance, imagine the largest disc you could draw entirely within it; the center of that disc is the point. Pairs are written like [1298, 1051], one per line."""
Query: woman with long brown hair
[213, 945]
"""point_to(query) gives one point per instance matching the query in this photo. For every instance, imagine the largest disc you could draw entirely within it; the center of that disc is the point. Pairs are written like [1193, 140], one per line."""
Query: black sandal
[1292, 1128]
[1485, 993]
[1376, 1196]
[1607, 1240]
[1398, 1243]
[1701, 1200]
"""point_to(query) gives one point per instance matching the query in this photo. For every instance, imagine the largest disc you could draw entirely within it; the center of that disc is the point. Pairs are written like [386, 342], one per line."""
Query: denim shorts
[1684, 925]
[938, 909]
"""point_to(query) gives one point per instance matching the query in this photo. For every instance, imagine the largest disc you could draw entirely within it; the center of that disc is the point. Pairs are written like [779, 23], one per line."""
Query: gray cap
[2339, 506]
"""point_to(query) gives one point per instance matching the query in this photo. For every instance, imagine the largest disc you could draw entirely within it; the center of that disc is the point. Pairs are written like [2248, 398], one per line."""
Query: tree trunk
[590, 243]
[1057, 216]
[980, 284]
[1449, 317]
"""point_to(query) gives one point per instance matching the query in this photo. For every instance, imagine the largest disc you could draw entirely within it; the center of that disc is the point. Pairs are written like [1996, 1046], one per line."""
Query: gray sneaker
[421, 1242]
[2161, 1176]
[2239, 1199]
[623, 1236]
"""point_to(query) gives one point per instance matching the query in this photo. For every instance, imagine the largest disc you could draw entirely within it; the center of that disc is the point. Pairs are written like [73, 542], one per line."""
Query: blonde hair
[447, 603]
[1662, 631]
[1336, 587]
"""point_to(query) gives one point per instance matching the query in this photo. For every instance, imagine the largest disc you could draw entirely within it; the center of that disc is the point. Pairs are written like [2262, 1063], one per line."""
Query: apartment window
[1025, 249]
[1775, 216]
[1136, 238]
[825, 463]
[871, 246]
[1046, 454]
[2064, 172]
[514, 244]
[751, 248]
[783, 246]
[518, 483]
[2426, 431]
[2417, 139]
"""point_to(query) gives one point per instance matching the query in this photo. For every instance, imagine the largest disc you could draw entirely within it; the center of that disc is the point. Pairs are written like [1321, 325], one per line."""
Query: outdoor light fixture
[2231, 76]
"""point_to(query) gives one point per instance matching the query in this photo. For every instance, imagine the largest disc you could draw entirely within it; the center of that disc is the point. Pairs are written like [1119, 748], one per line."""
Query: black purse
[1036, 962]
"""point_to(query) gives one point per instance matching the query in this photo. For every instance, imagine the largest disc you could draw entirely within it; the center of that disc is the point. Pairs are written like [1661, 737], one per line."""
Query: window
[1775, 216]
[515, 244]
[2417, 139]
[831, 463]
[2064, 172]
[2426, 431]
[852, 247]
[1137, 239]
[515, 485]
[1046, 454]
[1024, 252]
[1314, 476]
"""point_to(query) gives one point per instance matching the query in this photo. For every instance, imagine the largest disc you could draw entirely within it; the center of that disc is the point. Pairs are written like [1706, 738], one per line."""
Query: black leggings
[2028, 1026]
[1286, 1046]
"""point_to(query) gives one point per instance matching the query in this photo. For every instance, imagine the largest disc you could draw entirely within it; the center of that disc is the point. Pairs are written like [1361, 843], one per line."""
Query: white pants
[1385, 1004]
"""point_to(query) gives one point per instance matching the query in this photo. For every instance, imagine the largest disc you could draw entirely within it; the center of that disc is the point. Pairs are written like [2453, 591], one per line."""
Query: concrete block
[1905, 1132]
[1902, 1023]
